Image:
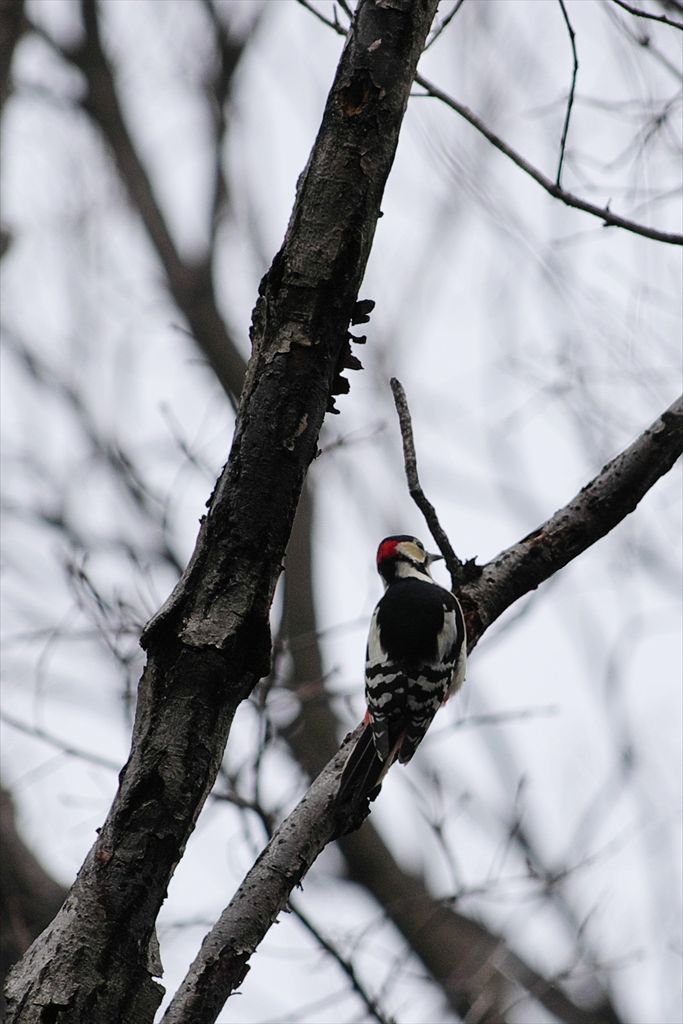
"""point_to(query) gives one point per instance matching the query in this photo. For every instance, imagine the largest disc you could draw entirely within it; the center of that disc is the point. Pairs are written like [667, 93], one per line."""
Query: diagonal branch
[608, 218]
[595, 510]
[223, 959]
[190, 283]
[636, 12]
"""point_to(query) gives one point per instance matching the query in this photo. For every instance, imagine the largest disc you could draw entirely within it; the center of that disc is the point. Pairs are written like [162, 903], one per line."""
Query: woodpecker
[415, 659]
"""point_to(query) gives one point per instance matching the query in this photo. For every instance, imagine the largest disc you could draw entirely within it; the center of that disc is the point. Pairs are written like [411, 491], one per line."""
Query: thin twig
[643, 39]
[54, 741]
[321, 17]
[608, 218]
[346, 966]
[453, 563]
[646, 14]
[444, 23]
[572, 89]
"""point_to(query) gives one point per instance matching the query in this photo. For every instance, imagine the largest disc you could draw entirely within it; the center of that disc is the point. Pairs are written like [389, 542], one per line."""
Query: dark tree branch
[572, 89]
[453, 563]
[65, 748]
[190, 284]
[608, 218]
[594, 512]
[371, 1005]
[210, 643]
[646, 14]
[330, 22]
[222, 962]
[643, 39]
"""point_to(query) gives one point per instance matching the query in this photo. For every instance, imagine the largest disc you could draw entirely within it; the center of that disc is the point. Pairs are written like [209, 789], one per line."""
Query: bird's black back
[409, 617]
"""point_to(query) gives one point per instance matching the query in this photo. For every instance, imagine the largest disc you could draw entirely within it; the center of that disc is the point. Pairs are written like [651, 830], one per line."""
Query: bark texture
[210, 643]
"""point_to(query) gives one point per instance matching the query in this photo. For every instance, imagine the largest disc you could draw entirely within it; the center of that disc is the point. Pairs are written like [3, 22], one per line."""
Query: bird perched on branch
[415, 660]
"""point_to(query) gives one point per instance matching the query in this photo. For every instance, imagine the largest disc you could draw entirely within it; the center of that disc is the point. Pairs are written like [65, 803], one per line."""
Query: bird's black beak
[433, 558]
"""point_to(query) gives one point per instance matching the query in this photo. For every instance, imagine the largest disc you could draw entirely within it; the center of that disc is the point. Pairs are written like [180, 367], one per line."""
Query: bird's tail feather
[363, 771]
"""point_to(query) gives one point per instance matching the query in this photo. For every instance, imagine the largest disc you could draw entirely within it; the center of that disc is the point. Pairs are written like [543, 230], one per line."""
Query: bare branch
[444, 23]
[643, 39]
[222, 962]
[595, 510]
[453, 563]
[347, 967]
[54, 741]
[331, 23]
[608, 218]
[572, 89]
[190, 284]
[553, 188]
[646, 14]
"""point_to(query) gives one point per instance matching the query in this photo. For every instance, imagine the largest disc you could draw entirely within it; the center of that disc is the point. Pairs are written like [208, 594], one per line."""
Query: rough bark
[210, 643]
[222, 961]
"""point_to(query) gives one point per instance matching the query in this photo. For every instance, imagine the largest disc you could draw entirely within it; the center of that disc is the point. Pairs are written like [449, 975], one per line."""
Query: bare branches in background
[639, 13]
[605, 213]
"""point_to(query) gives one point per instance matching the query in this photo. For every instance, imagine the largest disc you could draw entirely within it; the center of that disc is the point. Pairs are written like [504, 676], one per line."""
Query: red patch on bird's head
[387, 549]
